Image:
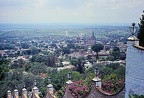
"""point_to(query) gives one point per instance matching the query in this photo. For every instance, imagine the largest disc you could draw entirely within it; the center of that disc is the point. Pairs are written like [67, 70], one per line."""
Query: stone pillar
[97, 81]
[24, 92]
[50, 88]
[9, 95]
[16, 95]
[66, 95]
[35, 90]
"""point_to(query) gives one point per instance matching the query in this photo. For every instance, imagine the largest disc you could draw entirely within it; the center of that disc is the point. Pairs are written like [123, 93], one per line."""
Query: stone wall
[134, 69]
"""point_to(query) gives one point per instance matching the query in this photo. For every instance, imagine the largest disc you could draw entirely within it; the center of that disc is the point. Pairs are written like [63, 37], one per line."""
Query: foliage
[96, 48]
[25, 45]
[122, 56]
[111, 84]
[115, 53]
[50, 60]
[18, 64]
[6, 46]
[4, 68]
[18, 77]
[79, 64]
[136, 96]
[73, 62]
[110, 58]
[66, 50]
[120, 72]
[59, 78]
[71, 46]
[113, 65]
[38, 58]
[141, 31]
[61, 92]
[78, 89]
[114, 68]
[106, 71]
[37, 68]
[31, 51]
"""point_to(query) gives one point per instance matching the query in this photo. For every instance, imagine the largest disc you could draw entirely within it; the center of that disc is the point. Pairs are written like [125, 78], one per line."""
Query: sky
[71, 11]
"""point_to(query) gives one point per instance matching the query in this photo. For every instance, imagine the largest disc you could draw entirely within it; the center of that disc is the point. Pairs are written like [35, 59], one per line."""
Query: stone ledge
[139, 47]
[107, 94]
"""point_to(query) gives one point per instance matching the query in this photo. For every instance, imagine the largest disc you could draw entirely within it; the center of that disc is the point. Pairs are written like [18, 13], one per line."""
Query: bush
[78, 89]
[111, 84]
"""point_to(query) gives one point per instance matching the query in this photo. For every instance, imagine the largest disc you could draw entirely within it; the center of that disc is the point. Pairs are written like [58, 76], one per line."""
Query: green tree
[96, 48]
[59, 78]
[51, 59]
[113, 65]
[3, 68]
[18, 64]
[66, 50]
[115, 52]
[38, 58]
[120, 72]
[141, 31]
[38, 68]
[110, 58]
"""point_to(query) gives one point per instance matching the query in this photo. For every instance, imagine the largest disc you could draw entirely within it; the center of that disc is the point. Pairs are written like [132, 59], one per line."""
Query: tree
[37, 68]
[110, 58]
[96, 48]
[51, 59]
[111, 84]
[66, 50]
[141, 31]
[120, 72]
[3, 68]
[59, 78]
[115, 52]
[18, 64]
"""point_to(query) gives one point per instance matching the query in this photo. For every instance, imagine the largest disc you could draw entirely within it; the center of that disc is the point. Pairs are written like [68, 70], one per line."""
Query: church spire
[93, 34]
[92, 39]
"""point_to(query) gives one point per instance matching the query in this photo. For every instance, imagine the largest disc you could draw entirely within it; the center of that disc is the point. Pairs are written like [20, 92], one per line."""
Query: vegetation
[136, 96]
[141, 31]
[4, 68]
[78, 89]
[36, 54]
[96, 48]
[111, 84]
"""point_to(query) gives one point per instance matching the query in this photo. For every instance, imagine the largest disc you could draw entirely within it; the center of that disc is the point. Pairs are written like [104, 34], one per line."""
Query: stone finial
[16, 95]
[9, 95]
[133, 38]
[69, 82]
[24, 91]
[97, 80]
[69, 75]
[35, 89]
[50, 88]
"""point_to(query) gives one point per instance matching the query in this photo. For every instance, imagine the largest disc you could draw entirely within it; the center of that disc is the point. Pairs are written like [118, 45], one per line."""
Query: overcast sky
[71, 11]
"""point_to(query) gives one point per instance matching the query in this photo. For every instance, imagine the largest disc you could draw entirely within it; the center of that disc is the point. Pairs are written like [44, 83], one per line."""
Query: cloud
[78, 11]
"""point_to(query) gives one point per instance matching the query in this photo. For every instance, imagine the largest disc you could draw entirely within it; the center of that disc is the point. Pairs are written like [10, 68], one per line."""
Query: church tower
[92, 39]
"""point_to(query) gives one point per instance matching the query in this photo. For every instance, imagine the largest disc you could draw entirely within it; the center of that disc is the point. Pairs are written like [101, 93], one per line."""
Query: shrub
[78, 89]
